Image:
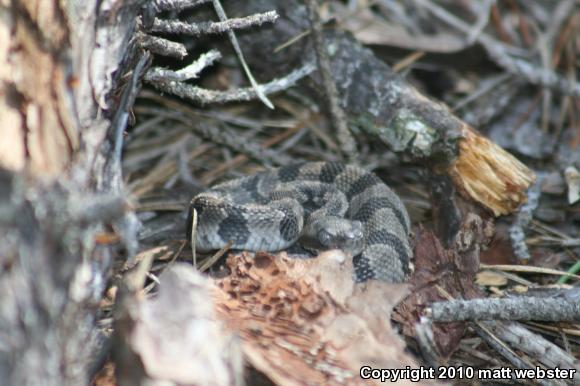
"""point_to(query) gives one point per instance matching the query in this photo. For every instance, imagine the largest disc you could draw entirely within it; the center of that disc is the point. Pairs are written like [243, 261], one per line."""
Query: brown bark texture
[59, 198]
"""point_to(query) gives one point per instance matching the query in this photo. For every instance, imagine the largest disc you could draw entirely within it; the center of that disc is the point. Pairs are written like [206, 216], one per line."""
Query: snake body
[319, 205]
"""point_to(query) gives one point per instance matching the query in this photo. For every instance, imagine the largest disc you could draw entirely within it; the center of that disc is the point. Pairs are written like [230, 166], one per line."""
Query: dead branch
[177, 5]
[157, 74]
[337, 113]
[206, 28]
[161, 46]
[534, 345]
[63, 212]
[522, 308]
[205, 96]
[523, 218]
[381, 104]
[502, 349]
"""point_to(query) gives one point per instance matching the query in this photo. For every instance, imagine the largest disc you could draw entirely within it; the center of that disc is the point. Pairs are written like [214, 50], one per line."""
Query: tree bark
[60, 200]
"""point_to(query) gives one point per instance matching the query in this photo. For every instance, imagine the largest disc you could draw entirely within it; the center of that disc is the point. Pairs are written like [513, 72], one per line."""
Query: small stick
[161, 46]
[234, 40]
[204, 96]
[211, 261]
[484, 332]
[119, 123]
[527, 269]
[408, 60]
[524, 217]
[534, 345]
[161, 172]
[500, 98]
[177, 5]
[206, 28]
[522, 308]
[238, 160]
[222, 135]
[337, 114]
[186, 73]
[497, 51]
[193, 236]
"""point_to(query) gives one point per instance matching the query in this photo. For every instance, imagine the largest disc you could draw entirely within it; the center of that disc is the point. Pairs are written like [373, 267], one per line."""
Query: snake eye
[324, 237]
[354, 235]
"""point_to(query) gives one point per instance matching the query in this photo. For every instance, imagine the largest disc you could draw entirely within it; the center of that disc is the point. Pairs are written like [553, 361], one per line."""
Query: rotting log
[381, 103]
[60, 196]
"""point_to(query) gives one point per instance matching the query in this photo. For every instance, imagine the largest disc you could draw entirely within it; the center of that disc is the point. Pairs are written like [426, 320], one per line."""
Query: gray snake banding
[319, 205]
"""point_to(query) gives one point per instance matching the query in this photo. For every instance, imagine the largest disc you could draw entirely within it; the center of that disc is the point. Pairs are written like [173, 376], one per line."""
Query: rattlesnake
[319, 205]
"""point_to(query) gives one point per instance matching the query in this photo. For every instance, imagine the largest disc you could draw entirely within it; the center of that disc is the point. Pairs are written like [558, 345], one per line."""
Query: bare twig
[498, 52]
[483, 330]
[160, 173]
[186, 73]
[338, 116]
[161, 46]
[235, 162]
[484, 88]
[206, 28]
[223, 135]
[234, 40]
[494, 333]
[208, 263]
[481, 22]
[533, 74]
[177, 5]
[522, 221]
[529, 269]
[521, 308]
[534, 345]
[203, 96]
[500, 97]
[119, 123]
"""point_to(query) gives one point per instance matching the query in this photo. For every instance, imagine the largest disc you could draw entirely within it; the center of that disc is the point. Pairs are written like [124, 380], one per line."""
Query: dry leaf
[437, 268]
[491, 279]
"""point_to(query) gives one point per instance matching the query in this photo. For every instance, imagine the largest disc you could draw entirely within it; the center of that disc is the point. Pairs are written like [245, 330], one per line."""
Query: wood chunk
[175, 338]
[306, 322]
[489, 175]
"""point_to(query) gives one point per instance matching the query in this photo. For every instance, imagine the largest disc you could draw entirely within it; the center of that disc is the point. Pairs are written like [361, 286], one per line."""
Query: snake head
[335, 233]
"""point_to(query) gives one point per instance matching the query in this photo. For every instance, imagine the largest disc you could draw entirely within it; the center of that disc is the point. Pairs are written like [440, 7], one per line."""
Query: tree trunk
[61, 206]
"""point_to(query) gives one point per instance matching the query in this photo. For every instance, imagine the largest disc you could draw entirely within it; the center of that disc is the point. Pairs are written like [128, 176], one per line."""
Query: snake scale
[317, 205]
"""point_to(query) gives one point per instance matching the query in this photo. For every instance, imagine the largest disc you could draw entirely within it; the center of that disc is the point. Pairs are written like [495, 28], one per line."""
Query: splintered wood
[306, 322]
[489, 175]
[297, 322]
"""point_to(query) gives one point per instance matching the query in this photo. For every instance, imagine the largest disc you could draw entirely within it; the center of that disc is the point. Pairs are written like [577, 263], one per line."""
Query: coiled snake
[319, 205]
